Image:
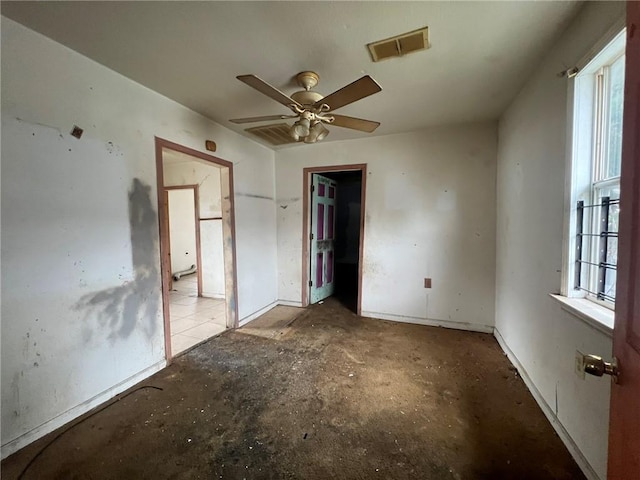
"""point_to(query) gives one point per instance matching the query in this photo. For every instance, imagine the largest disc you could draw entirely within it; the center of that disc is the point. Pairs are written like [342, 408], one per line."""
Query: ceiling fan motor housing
[307, 98]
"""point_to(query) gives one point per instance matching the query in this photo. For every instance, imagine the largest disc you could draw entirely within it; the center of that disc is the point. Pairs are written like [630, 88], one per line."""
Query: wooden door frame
[306, 205]
[196, 200]
[231, 294]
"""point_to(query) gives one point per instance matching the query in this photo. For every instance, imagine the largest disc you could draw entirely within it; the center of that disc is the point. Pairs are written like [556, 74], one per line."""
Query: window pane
[605, 248]
[613, 227]
[612, 250]
[610, 284]
[616, 96]
[320, 222]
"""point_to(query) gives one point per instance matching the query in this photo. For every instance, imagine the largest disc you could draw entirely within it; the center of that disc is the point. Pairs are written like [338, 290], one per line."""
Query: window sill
[599, 317]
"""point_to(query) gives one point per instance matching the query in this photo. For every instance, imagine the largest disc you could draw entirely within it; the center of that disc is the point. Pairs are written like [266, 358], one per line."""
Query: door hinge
[313, 188]
[310, 283]
[311, 236]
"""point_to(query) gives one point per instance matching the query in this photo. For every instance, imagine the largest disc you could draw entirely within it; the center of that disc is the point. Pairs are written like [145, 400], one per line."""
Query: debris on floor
[337, 396]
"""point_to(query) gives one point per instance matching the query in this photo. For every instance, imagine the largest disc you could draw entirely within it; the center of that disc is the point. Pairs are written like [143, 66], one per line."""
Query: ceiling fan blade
[354, 123]
[266, 89]
[357, 90]
[261, 119]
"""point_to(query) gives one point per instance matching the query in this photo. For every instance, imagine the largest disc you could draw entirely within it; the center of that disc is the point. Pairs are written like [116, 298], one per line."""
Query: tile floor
[193, 319]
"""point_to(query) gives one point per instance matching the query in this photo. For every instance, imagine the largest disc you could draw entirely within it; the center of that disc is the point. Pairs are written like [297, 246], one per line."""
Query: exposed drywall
[81, 296]
[531, 189]
[430, 212]
[207, 177]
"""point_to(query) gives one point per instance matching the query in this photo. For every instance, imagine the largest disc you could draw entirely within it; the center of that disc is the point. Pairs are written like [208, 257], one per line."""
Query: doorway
[184, 235]
[197, 245]
[333, 234]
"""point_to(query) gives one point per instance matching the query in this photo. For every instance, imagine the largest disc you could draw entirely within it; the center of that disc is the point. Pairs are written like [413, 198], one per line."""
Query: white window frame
[600, 182]
[580, 173]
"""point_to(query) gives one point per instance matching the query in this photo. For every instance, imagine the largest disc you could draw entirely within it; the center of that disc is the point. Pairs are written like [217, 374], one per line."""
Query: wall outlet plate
[427, 283]
[579, 367]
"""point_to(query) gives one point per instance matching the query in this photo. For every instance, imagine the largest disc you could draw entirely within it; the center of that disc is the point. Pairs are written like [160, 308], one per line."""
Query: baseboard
[471, 327]
[73, 413]
[256, 314]
[573, 448]
[290, 303]
[219, 296]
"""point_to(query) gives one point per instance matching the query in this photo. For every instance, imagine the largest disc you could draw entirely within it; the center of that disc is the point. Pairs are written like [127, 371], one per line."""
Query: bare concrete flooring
[332, 396]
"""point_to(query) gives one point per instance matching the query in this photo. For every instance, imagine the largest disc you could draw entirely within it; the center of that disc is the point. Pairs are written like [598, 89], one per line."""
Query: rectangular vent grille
[399, 45]
[277, 134]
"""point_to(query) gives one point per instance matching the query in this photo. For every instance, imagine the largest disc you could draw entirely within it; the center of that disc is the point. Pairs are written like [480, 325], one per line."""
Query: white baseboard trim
[256, 314]
[219, 296]
[73, 413]
[430, 322]
[290, 303]
[577, 455]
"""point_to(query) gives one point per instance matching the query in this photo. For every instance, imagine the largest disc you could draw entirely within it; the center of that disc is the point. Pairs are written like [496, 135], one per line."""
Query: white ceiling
[480, 55]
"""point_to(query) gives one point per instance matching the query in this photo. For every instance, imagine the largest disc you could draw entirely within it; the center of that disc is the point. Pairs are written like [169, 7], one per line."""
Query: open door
[624, 428]
[323, 204]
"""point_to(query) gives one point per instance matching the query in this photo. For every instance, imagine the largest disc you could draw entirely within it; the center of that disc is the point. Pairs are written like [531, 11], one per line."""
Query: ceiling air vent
[278, 134]
[400, 45]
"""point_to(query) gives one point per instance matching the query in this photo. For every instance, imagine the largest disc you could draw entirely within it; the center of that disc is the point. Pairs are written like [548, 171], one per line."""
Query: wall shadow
[135, 304]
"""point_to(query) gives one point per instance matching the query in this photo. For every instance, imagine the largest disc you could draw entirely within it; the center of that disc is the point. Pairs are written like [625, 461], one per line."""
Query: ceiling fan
[312, 109]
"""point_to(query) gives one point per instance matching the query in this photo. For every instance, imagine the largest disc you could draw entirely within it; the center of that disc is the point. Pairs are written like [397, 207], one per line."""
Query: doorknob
[595, 365]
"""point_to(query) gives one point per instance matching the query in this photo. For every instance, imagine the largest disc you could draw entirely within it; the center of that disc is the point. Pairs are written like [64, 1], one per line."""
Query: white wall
[207, 177]
[81, 297]
[430, 212]
[182, 229]
[211, 244]
[531, 170]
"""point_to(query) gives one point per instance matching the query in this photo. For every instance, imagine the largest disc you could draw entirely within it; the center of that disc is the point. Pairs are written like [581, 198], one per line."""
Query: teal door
[323, 204]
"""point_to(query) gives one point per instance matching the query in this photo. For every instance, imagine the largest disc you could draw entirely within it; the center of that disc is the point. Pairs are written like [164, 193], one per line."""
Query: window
[595, 177]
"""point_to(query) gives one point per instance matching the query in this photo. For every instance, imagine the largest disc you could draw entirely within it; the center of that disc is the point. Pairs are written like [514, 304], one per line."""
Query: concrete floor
[332, 395]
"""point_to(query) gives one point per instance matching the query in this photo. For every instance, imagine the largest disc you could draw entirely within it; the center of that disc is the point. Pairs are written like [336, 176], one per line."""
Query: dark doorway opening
[347, 236]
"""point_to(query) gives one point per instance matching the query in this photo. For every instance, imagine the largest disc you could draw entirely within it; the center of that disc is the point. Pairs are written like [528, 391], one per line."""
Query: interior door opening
[197, 245]
[184, 235]
[334, 223]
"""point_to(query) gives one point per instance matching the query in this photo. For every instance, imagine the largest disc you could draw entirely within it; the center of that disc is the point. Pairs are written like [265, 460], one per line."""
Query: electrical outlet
[427, 283]
[579, 368]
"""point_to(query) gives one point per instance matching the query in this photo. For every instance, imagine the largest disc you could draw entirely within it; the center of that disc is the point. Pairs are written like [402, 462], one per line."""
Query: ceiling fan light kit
[317, 133]
[311, 108]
